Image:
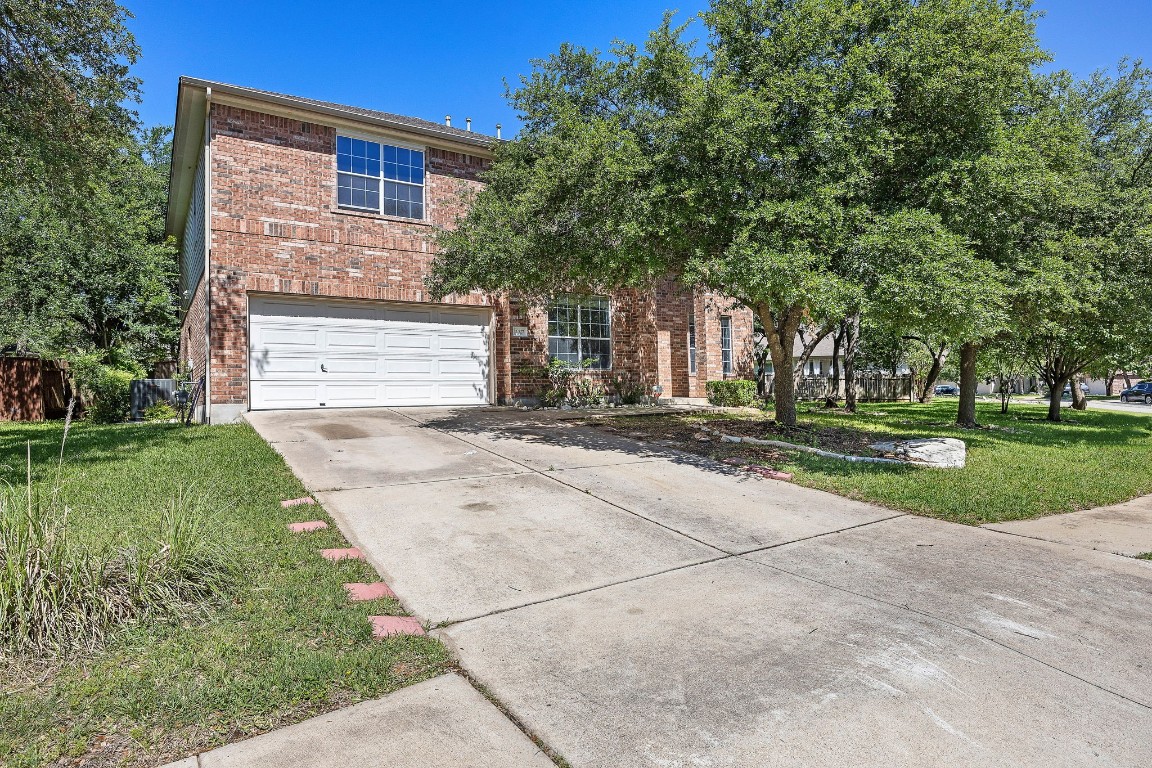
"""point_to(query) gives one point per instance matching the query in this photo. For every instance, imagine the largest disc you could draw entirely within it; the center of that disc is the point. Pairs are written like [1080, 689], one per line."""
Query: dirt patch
[686, 432]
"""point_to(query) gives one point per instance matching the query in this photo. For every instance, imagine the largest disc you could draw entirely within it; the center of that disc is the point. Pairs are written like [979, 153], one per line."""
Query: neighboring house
[305, 240]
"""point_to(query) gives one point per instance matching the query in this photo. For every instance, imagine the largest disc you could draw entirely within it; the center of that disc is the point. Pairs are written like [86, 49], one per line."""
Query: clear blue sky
[428, 59]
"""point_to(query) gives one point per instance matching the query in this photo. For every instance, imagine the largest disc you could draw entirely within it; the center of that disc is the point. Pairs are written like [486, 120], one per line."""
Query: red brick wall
[275, 227]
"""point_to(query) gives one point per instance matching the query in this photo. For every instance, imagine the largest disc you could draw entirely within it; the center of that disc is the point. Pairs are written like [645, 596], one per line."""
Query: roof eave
[479, 140]
[187, 140]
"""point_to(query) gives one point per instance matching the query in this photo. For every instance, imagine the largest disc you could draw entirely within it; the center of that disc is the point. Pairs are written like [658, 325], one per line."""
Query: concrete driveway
[633, 606]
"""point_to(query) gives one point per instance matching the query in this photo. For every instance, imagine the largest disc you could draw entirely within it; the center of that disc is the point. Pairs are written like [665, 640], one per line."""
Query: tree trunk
[1055, 393]
[1079, 402]
[851, 342]
[1005, 392]
[928, 390]
[834, 393]
[1109, 383]
[966, 411]
[780, 330]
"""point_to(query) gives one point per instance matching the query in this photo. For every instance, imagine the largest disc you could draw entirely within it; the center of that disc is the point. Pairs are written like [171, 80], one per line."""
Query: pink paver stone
[359, 593]
[770, 473]
[297, 502]
[383, 626]
[352, 553]
[311, 525]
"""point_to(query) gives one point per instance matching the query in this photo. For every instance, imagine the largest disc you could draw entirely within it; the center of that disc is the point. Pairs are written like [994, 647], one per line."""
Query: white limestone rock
[941, 452]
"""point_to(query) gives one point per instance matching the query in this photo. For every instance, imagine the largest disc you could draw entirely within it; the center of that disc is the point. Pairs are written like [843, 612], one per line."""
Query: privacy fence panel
[870, 387]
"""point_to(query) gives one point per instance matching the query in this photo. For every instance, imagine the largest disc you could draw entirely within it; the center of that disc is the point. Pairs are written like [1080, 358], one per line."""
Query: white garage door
[307, 353]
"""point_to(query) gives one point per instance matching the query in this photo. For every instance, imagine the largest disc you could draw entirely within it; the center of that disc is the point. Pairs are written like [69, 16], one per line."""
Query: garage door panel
[351, 394]
[454, 394]
[408, 366]
[409, 392]
[463, 367]
[280, 394]
[372, 354]
[289, 338]
[348, 340]
[274, 365]
[407, 341]
[411, 316]
[347, 365]
[466, 343]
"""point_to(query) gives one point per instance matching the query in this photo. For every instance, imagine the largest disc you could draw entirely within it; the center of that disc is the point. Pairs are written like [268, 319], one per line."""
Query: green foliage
[753, 164]
[631, 389]
[732, 393]
[57, 597]
[65, 93]
[106, 390]
[160, 412]
[567, 385]
[97, 274]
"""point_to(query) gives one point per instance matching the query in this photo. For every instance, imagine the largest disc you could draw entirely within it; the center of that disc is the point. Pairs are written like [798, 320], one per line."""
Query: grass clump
[282, 643]
[60, 597]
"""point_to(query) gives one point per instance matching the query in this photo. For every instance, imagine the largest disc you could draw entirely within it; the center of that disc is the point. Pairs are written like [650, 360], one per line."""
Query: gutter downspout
[207, 203]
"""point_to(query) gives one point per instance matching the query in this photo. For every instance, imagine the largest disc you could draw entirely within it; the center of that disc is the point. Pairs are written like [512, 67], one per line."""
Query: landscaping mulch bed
[685, 431]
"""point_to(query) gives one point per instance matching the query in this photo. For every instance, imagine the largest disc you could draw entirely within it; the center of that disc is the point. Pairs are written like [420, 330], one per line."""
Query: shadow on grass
[88, 445]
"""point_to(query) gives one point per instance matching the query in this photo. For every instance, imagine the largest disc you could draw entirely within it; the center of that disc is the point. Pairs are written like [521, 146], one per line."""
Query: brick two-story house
[305, 237]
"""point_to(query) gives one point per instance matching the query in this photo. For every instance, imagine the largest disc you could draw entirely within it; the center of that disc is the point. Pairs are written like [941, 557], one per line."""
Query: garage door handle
[324, 368]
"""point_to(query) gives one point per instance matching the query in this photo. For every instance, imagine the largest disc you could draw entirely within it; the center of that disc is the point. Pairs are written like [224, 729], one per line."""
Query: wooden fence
[870, 388]
[31, 389]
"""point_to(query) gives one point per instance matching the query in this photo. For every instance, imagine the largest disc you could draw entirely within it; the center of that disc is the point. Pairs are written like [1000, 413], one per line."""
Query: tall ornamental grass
[58, 598]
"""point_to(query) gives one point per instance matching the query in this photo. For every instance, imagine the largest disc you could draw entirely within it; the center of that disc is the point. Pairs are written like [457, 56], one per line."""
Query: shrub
[57, 597]
[732, 393]
[566, 385]
[106, 390]
[631, 389]
[160, 412]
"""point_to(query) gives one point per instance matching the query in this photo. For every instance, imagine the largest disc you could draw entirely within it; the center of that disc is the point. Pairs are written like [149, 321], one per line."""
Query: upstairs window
[581, 329]
[379, 178]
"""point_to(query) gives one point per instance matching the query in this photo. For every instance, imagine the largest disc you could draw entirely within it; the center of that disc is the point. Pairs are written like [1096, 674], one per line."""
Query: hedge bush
[106, 390]
[732, 393]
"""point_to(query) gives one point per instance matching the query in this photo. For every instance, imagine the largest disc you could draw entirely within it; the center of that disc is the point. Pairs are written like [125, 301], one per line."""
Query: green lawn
[1020, 468]
[288, 645]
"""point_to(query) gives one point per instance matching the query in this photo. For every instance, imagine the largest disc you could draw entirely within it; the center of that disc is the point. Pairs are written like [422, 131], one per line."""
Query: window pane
[564, 349]
[389, 207]
[345, 195]
[600, 351]
[417, 210]
[418, 174]
[343, 145]
[357, 165]
[372, 167]
[389, 153]
[373, 152]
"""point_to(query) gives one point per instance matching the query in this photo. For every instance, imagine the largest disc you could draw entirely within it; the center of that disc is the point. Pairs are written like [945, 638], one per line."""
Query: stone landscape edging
[808, 449]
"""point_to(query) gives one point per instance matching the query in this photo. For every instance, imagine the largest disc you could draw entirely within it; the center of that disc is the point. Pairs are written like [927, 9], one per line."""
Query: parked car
[1083, 388]
[1141, 393]
[946, 389]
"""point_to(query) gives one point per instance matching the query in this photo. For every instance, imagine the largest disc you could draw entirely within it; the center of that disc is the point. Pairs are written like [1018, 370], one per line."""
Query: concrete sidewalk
[440, 722]
[634, 606]
[1123, 529]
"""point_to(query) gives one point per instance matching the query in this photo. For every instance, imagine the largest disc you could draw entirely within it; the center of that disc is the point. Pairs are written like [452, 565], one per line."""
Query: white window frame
[577, 303]
[382, 141]
[727, 364]
[692, 343]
